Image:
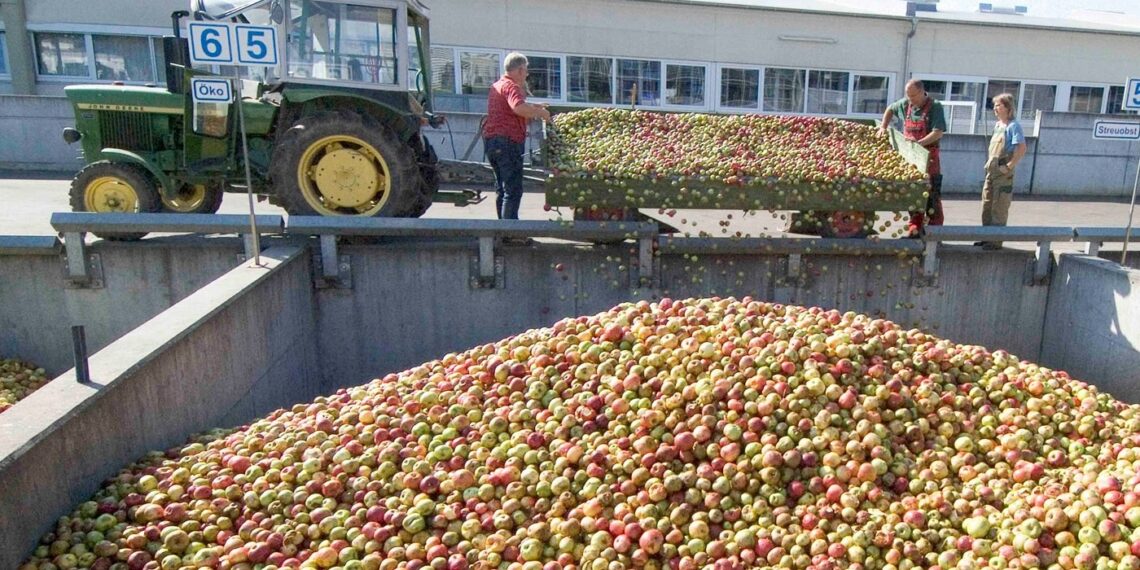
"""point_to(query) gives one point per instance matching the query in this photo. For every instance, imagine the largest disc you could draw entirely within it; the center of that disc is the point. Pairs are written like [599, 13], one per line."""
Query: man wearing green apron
[1007, 147]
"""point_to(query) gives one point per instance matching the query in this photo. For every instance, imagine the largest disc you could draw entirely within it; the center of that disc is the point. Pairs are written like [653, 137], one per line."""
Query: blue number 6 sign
[210, 43]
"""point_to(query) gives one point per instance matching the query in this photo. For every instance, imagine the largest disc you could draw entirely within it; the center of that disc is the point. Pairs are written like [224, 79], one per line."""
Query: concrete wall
[672, 31]
[140, 281]
[963, 161]
[1008, 52]
[1071, 163]
[31, 128]
[1092, 329]
[235, 350]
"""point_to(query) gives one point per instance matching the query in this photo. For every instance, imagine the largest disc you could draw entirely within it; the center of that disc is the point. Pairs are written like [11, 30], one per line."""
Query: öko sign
[214, 43]
[1116, 130]
[211, 90]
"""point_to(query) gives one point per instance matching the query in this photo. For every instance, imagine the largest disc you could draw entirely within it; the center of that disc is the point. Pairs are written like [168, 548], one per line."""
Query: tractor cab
[360, 44]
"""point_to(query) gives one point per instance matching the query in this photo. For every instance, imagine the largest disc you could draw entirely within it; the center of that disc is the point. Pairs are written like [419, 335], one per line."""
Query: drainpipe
[19, 45]
[906, 50]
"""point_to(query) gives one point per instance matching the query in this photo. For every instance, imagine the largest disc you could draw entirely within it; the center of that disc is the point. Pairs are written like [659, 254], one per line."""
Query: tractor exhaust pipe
[176, 51]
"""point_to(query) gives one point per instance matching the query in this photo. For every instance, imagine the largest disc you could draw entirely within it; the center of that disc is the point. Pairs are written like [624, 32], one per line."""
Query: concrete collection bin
[185, 334]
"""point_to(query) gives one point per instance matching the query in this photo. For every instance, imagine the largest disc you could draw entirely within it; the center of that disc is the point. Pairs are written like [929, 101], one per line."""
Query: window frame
[764, 77]
[561, 57]
[890, 77]
[613, 82]
[705, 105]
[6, 71]
[154, 43]
[618, 93]
[850, 94]
[1108, 98]
[1068, 86]
[719, 81]
[459, 51]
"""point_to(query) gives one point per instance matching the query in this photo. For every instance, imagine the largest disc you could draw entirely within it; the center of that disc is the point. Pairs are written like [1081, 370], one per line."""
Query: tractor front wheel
[113, 187]
[344, 164]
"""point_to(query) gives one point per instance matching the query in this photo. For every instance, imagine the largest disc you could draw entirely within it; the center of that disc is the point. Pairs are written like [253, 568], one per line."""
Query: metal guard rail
[328, 228]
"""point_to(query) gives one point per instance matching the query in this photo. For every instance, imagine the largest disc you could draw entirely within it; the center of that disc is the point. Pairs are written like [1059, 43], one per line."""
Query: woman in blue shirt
[1007, 147]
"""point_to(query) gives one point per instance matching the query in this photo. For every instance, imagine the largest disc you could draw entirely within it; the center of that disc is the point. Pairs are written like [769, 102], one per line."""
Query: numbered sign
[256, 45]
[1132, 95]
[211, 43]
[211, 90]
[216, 43]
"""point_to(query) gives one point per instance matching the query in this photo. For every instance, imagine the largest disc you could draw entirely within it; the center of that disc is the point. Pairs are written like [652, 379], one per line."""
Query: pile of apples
[18, 379]
[679, 434]
[735, 150]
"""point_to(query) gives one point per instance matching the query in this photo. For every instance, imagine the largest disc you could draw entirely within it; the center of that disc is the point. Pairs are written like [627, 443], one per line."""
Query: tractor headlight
[211, 119]
[71, 135]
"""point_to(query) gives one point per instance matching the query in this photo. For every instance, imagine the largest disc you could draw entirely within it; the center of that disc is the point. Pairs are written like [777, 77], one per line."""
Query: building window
[3, 54]
[1115, 103]
[962, 103]
[1037, 98]
[545, 76]
[443, 70]
[1086, 99]
[871, 94]
[685, 85]
[61, 55]
[827, 92]
[639, 82]
[997, 87]
[478, 71]
[784, 90]
[740, 88]
[590, 79]
[123, 58]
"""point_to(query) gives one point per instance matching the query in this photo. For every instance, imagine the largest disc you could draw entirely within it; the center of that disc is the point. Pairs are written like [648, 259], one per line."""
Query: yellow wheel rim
[110, 194]
[344, 175]
[189, 198]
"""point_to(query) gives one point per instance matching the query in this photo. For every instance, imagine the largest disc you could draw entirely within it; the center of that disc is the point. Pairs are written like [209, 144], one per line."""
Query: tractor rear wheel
[344, 164]
[114, 187]
[194, 199]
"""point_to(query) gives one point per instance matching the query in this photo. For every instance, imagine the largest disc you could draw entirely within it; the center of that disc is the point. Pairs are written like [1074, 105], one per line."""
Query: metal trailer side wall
[235, 350]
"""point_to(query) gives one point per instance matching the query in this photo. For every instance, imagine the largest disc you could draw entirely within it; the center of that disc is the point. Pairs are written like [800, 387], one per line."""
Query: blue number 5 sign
[1132, 95]
[256, 45]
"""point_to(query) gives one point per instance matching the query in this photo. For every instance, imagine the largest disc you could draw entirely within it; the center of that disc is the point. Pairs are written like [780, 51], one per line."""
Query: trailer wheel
[194, 199]
[114, 187]
[846, 223]
[344, 164]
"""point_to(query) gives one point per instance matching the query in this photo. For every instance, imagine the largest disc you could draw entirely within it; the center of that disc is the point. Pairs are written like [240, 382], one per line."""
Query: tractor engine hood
[125, 98]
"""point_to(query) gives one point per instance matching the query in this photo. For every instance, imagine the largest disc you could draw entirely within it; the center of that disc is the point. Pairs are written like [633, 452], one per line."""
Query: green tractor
[334, 129]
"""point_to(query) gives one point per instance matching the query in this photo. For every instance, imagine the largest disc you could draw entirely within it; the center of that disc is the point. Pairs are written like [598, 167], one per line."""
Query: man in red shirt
[504, 134]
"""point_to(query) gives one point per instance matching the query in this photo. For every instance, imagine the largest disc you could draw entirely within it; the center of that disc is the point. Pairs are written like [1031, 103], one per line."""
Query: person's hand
[544, 113]
[1004, 169]
[882, 130]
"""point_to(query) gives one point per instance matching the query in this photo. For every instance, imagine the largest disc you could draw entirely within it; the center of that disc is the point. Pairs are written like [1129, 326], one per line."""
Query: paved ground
[29, 201]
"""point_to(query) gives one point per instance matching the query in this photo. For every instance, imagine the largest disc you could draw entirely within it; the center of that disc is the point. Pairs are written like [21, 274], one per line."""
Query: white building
[772, 56]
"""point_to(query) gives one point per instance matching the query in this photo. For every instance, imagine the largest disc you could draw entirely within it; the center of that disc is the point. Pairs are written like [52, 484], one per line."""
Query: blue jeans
[506, 158]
